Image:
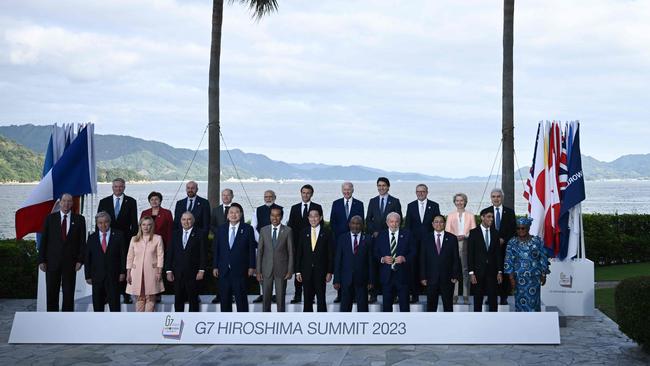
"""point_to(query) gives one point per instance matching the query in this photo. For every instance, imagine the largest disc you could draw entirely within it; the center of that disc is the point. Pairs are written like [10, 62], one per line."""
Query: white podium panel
[570, 287]
[285, 328]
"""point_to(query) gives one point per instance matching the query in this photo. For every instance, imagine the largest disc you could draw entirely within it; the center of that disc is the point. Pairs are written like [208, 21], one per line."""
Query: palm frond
[259, 8]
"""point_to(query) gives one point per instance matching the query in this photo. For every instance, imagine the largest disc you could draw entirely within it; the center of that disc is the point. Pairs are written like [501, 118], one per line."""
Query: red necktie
[356, 245]
[64, 228]
[104, 242]
[438, 245]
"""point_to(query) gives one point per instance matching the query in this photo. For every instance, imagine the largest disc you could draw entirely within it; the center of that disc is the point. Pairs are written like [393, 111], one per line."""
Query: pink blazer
[145, 258]
[452, 223]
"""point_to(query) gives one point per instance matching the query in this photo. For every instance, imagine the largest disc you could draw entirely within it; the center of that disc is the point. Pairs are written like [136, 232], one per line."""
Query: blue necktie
[382, 206]
[185, 239]
[231, 240]
[497, 222]
[347, 208]
[117, 207]
[487, 240]
[274, 238]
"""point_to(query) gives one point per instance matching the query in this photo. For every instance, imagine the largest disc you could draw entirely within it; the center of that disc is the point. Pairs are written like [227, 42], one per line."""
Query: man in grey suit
[275, 259]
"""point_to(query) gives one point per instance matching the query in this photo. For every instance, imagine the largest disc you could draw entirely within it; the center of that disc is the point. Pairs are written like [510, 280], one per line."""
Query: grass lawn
[620, 272]
[605, 302]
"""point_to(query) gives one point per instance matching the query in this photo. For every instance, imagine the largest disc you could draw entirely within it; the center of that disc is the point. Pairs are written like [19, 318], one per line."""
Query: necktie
[356, 245]
[225, 212]
[347, 208]
[274, 238]
[231, 240]
[422, 211]
[185, 234]
[393, 249]
[64, 227]
[314, 238]
[382, 206]
[497, 220]
[438, 243]
[118, 206]
[487, 240]
[190, 204]
[104, 242]
[305, 212]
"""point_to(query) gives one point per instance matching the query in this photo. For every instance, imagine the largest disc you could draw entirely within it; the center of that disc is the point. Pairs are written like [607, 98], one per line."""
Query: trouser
[147, 303]
[357, 292]
[106, 291]
[486, 286]
[314, 286]
[62, 279]
[280, 290]
[445, 291]
[464, 283]
[185, 289]
[503, 289]
[230, 285]
[390, 289]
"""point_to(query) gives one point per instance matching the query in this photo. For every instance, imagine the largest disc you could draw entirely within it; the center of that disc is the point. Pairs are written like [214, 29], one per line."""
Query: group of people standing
[362, 253]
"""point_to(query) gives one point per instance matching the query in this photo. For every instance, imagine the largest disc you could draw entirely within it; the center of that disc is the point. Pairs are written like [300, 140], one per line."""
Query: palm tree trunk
[214, 153]
[507, 114]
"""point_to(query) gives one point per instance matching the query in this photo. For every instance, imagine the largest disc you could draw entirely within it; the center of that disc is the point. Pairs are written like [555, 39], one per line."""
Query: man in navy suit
[342, 210]
[378, 208]
[352, 270]
[234, 259]
[198, 206]
[439, 265]
[105, 264]
[393, 250]
[419, 220]
[485, 263]
[185, 263]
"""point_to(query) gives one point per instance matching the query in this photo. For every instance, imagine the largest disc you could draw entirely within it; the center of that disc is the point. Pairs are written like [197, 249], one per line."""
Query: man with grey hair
[505, 224]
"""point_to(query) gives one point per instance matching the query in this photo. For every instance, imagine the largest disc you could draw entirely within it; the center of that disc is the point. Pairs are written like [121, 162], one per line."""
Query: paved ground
[585, 341]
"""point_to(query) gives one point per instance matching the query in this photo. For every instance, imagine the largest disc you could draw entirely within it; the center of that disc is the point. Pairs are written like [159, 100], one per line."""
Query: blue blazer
[439, 268]
[405, 247]
[242, 255]
[350, 269]
[338, 221]
[375, 220]
[200, 210]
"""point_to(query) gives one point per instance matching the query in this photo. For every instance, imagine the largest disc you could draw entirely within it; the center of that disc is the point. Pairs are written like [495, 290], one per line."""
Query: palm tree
[507, 115]
[258, 8]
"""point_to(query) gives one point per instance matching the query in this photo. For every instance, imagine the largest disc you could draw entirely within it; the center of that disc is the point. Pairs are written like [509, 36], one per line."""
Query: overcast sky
[411, 85]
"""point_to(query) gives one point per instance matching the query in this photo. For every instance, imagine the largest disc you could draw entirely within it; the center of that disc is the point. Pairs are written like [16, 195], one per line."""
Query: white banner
[286, 328]
[570, 287]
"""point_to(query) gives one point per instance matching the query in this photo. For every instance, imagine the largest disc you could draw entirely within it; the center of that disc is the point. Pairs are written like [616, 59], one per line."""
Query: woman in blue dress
[527, 264]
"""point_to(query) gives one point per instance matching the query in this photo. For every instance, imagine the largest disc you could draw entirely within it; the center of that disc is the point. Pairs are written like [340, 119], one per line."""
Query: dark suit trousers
[315, 286]
[484, 287]
[63, 279]
[230, 285]
[392, 288]
[106, 291]
[503, 290]
[445, 291]
[360, 293]
[186, 289]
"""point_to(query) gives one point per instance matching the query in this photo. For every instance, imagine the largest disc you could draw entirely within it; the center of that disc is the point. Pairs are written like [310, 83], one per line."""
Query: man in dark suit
[261, 219]
[61, 253]
[439, 265]
[505, 224]
[124, 217]
[419, 221]
[393, 250]
[198, 206]
[185, 263]
[105, 264]
[234, 259]
[315, 262]
[298, 221]
[342, 210]
[352, 270]
[378, 208]
[485, 263]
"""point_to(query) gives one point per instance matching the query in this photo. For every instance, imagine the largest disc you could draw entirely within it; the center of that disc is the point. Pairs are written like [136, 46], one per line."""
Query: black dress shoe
[372, 299]
[414, 300]
[127, 299]
[258, 299]
[504, 301]
[274, 299]
[337, 299]
[232, 299]
[198, 299]
[395, 300]
[216, 300]
[296, 300]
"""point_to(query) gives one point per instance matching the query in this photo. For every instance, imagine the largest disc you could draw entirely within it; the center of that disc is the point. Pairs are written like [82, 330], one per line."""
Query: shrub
[18, 269]
[632, 301]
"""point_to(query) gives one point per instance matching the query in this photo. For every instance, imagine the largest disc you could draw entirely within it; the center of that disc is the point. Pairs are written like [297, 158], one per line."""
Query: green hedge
[18, 262]
[617, 239]
[632, 301]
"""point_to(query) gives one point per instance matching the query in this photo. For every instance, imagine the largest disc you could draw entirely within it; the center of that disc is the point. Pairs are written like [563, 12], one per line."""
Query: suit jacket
[439, 268]
[185, 263]
[481, 261]
[127, 220]
[508, 224]
[297, 223]
[351, 269]
[376, 220]
[320, 259]
[405, 248]
[279, 261]
[413, 221]
[200, 210]
[468, 224]
[240, 257]
[57, 253]
[338, 220]
[99, 265]
[163, 224]
[218, 218]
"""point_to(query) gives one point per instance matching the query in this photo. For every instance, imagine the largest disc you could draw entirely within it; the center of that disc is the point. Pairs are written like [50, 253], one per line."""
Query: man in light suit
[505, 223]
[485, 262]
[124, 217]
[393, 250]
[105, 264]
[342, 210]
[419, 221]
[185, 263]
[275, 262]
[198, 206]
[352, 270]
[61, 253]
[378, 208]
[234, 259]
[439, 265]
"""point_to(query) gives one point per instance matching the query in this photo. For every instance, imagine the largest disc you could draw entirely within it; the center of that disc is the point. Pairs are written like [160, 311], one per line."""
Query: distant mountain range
[138, 159]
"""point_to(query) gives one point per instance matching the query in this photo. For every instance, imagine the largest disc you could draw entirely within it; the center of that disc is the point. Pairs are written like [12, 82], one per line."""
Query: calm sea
[628, 196]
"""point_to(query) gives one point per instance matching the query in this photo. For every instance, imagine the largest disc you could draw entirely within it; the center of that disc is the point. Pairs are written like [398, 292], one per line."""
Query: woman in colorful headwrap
[527, 264]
